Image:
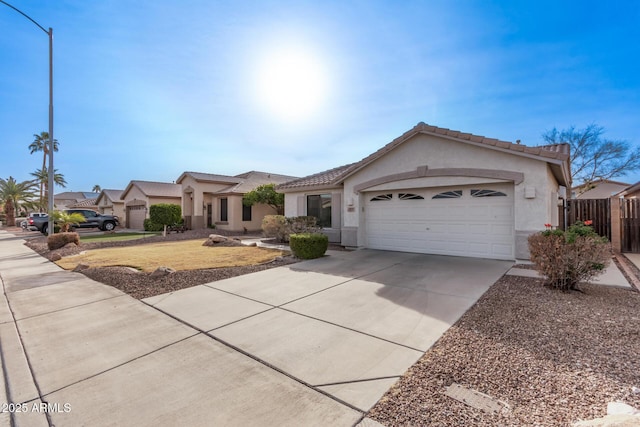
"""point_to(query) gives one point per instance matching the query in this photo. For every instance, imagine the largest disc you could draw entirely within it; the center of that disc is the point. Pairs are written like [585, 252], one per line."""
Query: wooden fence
[630, 225]
[596, 210]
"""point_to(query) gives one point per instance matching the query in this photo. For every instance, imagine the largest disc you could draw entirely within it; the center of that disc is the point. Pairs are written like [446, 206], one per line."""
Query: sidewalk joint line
[352, 330]
[257, 359]
[359, 381]
[122, 364]
[69, 308]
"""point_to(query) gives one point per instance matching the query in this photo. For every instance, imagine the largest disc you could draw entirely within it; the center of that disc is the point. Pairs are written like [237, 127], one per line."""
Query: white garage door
[475, 221]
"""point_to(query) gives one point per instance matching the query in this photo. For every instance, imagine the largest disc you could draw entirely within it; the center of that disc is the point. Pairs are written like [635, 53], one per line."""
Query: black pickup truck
[93, 220]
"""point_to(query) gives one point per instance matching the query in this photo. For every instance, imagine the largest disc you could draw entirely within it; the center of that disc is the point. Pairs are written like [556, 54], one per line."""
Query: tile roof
[319, 179]
[334, 176]
[75, 195]
[241, 183]
[157, 189]
[113, 195]
[209, 177]
[86, 203]
[253, 179]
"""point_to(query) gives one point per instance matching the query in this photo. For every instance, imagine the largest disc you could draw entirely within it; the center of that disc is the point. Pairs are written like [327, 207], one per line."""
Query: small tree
[267, 195]
[65, 220]
[165, 214]
[593, 156]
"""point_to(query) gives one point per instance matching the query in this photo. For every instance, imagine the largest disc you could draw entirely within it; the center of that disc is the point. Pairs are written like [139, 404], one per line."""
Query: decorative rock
[70, 245]
[214, 239]
[252, 244]
[55, 257]
[162, 271]
[81, 267]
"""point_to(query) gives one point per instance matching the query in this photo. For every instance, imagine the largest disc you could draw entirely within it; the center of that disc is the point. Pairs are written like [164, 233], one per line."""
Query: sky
[147, 90]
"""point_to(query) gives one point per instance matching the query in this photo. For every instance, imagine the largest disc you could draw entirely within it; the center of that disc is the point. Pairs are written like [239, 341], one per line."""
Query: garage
[474, 221]
[136, 216]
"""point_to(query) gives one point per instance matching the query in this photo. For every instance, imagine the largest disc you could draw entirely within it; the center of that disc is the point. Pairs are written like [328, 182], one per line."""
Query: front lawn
[179, 255]
[117, 237]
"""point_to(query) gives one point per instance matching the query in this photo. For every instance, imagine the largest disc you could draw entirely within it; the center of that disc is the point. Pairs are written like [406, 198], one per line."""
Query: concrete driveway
[314, 343]
[349, 324]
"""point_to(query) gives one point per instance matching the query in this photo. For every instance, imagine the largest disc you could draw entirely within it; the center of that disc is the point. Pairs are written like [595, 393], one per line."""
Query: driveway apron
[348, 324]
[313, 343]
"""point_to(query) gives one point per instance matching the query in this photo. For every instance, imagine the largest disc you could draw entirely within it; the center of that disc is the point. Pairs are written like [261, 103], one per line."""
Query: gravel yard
[553, 357]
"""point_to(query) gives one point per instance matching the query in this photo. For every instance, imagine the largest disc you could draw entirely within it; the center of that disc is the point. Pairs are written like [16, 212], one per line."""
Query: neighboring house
[598, 189]
[65, 199]
[110, 203]
[631, 191]
[140, 195]
[216, 200]
[434, 190]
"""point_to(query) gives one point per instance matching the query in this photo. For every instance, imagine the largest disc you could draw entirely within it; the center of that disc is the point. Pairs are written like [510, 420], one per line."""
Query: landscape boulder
[217, 240]
[162, 271]
[81, 267]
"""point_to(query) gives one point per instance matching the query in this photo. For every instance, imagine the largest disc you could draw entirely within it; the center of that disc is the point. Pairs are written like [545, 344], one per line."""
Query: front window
[319, 206]
[246, 213]
[223, 210]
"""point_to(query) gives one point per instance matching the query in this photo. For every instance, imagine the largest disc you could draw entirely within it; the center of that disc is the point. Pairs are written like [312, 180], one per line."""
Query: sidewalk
[76, 352]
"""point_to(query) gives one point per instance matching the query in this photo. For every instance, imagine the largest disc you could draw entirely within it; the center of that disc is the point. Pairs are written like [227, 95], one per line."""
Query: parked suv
[92, 220]
[95, 220]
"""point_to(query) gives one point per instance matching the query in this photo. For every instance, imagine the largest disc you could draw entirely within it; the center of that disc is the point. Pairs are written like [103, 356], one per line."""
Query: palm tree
[14, 194]
[42, 178]
[67, 220]
[96, 188]
[41, 143]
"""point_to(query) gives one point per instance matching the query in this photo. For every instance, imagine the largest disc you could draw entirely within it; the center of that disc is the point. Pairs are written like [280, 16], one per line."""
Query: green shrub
[165, 214]
[152, 226]
[308, 245]
[568, 258]
[58, 240]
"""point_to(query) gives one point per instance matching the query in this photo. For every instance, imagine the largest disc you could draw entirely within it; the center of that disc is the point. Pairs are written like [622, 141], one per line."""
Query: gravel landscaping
[553, 357]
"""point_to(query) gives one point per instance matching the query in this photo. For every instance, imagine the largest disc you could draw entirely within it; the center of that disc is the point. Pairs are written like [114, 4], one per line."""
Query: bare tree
[593, 156]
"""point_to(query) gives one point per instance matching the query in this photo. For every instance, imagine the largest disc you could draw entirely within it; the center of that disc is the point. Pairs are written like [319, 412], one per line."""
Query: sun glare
[292, 84]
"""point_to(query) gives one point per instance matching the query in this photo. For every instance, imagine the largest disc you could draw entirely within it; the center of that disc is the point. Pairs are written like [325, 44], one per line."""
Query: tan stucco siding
[435, 153]
[134, 193]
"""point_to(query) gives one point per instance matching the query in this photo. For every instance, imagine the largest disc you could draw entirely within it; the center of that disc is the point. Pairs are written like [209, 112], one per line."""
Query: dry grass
[180, 255]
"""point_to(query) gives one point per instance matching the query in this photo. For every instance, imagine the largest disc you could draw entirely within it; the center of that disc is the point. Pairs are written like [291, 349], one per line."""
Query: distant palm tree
[14, 195]
[42, 178]
[96, 189]
[41, 143]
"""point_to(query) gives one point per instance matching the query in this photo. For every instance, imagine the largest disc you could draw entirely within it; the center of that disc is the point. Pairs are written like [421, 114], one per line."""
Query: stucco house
[438, 191]
[138, 196]
[65, 199]
[598, 189]
[110, 203]
[216, 200]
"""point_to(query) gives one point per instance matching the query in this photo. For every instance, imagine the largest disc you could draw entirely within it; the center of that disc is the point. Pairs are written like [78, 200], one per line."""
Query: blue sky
[147, 90]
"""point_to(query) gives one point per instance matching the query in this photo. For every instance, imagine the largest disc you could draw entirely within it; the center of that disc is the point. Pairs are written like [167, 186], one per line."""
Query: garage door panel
[465, 226]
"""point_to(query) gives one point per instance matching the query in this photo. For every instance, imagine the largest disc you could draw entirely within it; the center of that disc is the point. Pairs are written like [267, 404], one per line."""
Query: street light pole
[51, 143]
